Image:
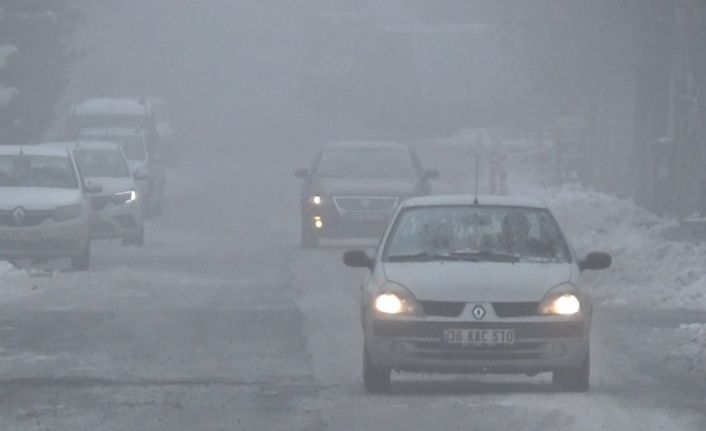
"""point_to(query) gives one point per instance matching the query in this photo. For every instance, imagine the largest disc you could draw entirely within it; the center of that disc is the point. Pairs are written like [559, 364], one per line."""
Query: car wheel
[375, 379]
[574, 379]
[82, 262]
[309, 238]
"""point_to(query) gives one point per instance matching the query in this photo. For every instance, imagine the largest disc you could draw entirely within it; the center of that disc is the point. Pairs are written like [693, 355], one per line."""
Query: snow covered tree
[34, 63]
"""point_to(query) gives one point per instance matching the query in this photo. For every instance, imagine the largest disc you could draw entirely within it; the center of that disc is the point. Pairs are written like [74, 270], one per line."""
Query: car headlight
[396, 300]
[563, 300]
[125, 197]
[66, 213]
[316, 200]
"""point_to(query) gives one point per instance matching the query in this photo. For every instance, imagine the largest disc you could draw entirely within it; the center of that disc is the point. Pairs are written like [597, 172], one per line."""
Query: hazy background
[611, 78]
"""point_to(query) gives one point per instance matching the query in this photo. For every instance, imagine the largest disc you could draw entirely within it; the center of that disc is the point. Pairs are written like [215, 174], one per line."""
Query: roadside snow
[16, 283]
[690, 349]
[648, 269]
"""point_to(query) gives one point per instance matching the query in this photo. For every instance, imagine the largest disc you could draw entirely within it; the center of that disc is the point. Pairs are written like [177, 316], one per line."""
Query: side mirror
[302, 173]
[141, 174]
[431, 174]
[92, 187]
[595, 261]
[357, 259]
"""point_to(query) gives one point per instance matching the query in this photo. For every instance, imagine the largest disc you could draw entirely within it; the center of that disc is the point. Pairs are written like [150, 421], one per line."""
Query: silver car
[44, 210]
[476, 285]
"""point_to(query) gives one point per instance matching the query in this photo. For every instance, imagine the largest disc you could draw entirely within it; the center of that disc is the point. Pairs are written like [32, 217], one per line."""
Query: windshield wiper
[485, 255]
[423, 257]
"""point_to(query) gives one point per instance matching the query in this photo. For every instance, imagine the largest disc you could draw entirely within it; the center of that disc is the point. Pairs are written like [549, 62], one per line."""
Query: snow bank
[15, 283]
[648, 269]
[690, 350]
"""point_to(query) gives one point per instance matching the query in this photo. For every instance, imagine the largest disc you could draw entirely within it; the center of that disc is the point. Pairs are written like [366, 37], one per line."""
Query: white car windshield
[101, 163]
[37, 171]
[476, 233]
[366, 163]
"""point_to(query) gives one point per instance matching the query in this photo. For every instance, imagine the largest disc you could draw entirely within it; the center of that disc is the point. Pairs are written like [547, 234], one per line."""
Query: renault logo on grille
[19, 215]
[478, 312]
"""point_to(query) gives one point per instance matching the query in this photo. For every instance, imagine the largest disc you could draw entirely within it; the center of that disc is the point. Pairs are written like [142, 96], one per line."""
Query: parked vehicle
[353, 188]
[476, 285]
[147, 166]
[44, 208]
[119, 112]
[117, 211]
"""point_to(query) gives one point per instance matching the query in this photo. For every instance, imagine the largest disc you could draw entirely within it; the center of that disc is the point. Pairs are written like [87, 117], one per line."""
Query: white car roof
[366, 145]
[110, 131]
[483, 200]
[108, 106]
[33, 150]
[87, 145]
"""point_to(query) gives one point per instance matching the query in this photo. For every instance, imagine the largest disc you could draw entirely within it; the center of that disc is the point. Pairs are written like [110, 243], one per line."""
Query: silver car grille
[366, 203]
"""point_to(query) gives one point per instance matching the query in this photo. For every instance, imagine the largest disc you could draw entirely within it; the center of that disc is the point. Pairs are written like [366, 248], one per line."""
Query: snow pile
[690, 350]
[15, 283]
[648, 269]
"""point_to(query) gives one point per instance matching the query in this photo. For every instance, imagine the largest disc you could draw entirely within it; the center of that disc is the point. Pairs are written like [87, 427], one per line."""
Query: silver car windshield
[37, 171]
[366, 163]
[472, 233]
[101, 163]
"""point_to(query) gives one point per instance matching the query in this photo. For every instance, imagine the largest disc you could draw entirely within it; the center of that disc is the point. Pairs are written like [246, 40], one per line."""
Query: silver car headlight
[395, 299]
[563, 300]
[67, 213]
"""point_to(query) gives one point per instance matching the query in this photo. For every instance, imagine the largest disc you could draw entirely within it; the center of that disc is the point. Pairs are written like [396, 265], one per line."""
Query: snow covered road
[223, 322]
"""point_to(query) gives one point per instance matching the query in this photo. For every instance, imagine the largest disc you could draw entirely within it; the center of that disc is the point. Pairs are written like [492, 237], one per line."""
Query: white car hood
[113, 185]
[478, 281]
[37, 198]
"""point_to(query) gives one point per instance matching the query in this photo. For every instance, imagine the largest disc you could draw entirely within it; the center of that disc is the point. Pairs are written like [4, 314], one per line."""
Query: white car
[147, 166]
[476, 285]
[117, 209]
[44, 211]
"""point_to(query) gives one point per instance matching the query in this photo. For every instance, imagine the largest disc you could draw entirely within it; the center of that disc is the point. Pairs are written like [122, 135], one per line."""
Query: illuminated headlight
[565, 305]
[316, 200]
[125, 197]
[388, 303]
[395, 299]
[66, 213]
[563, 300]
[318, 222]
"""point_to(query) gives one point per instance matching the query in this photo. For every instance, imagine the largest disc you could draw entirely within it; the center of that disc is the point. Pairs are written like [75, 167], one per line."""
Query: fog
[232, 307]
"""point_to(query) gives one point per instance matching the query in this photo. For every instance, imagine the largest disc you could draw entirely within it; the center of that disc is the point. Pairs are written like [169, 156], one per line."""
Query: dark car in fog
[353, 188]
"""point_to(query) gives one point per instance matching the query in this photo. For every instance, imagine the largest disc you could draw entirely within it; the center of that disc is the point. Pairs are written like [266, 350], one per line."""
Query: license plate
[479, 337]
[21, 235]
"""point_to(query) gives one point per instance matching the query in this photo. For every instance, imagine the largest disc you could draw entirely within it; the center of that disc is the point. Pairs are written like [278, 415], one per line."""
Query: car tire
[376, 380]
[137, 240]
[309, 238]
[574, 379]
[82, 262]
